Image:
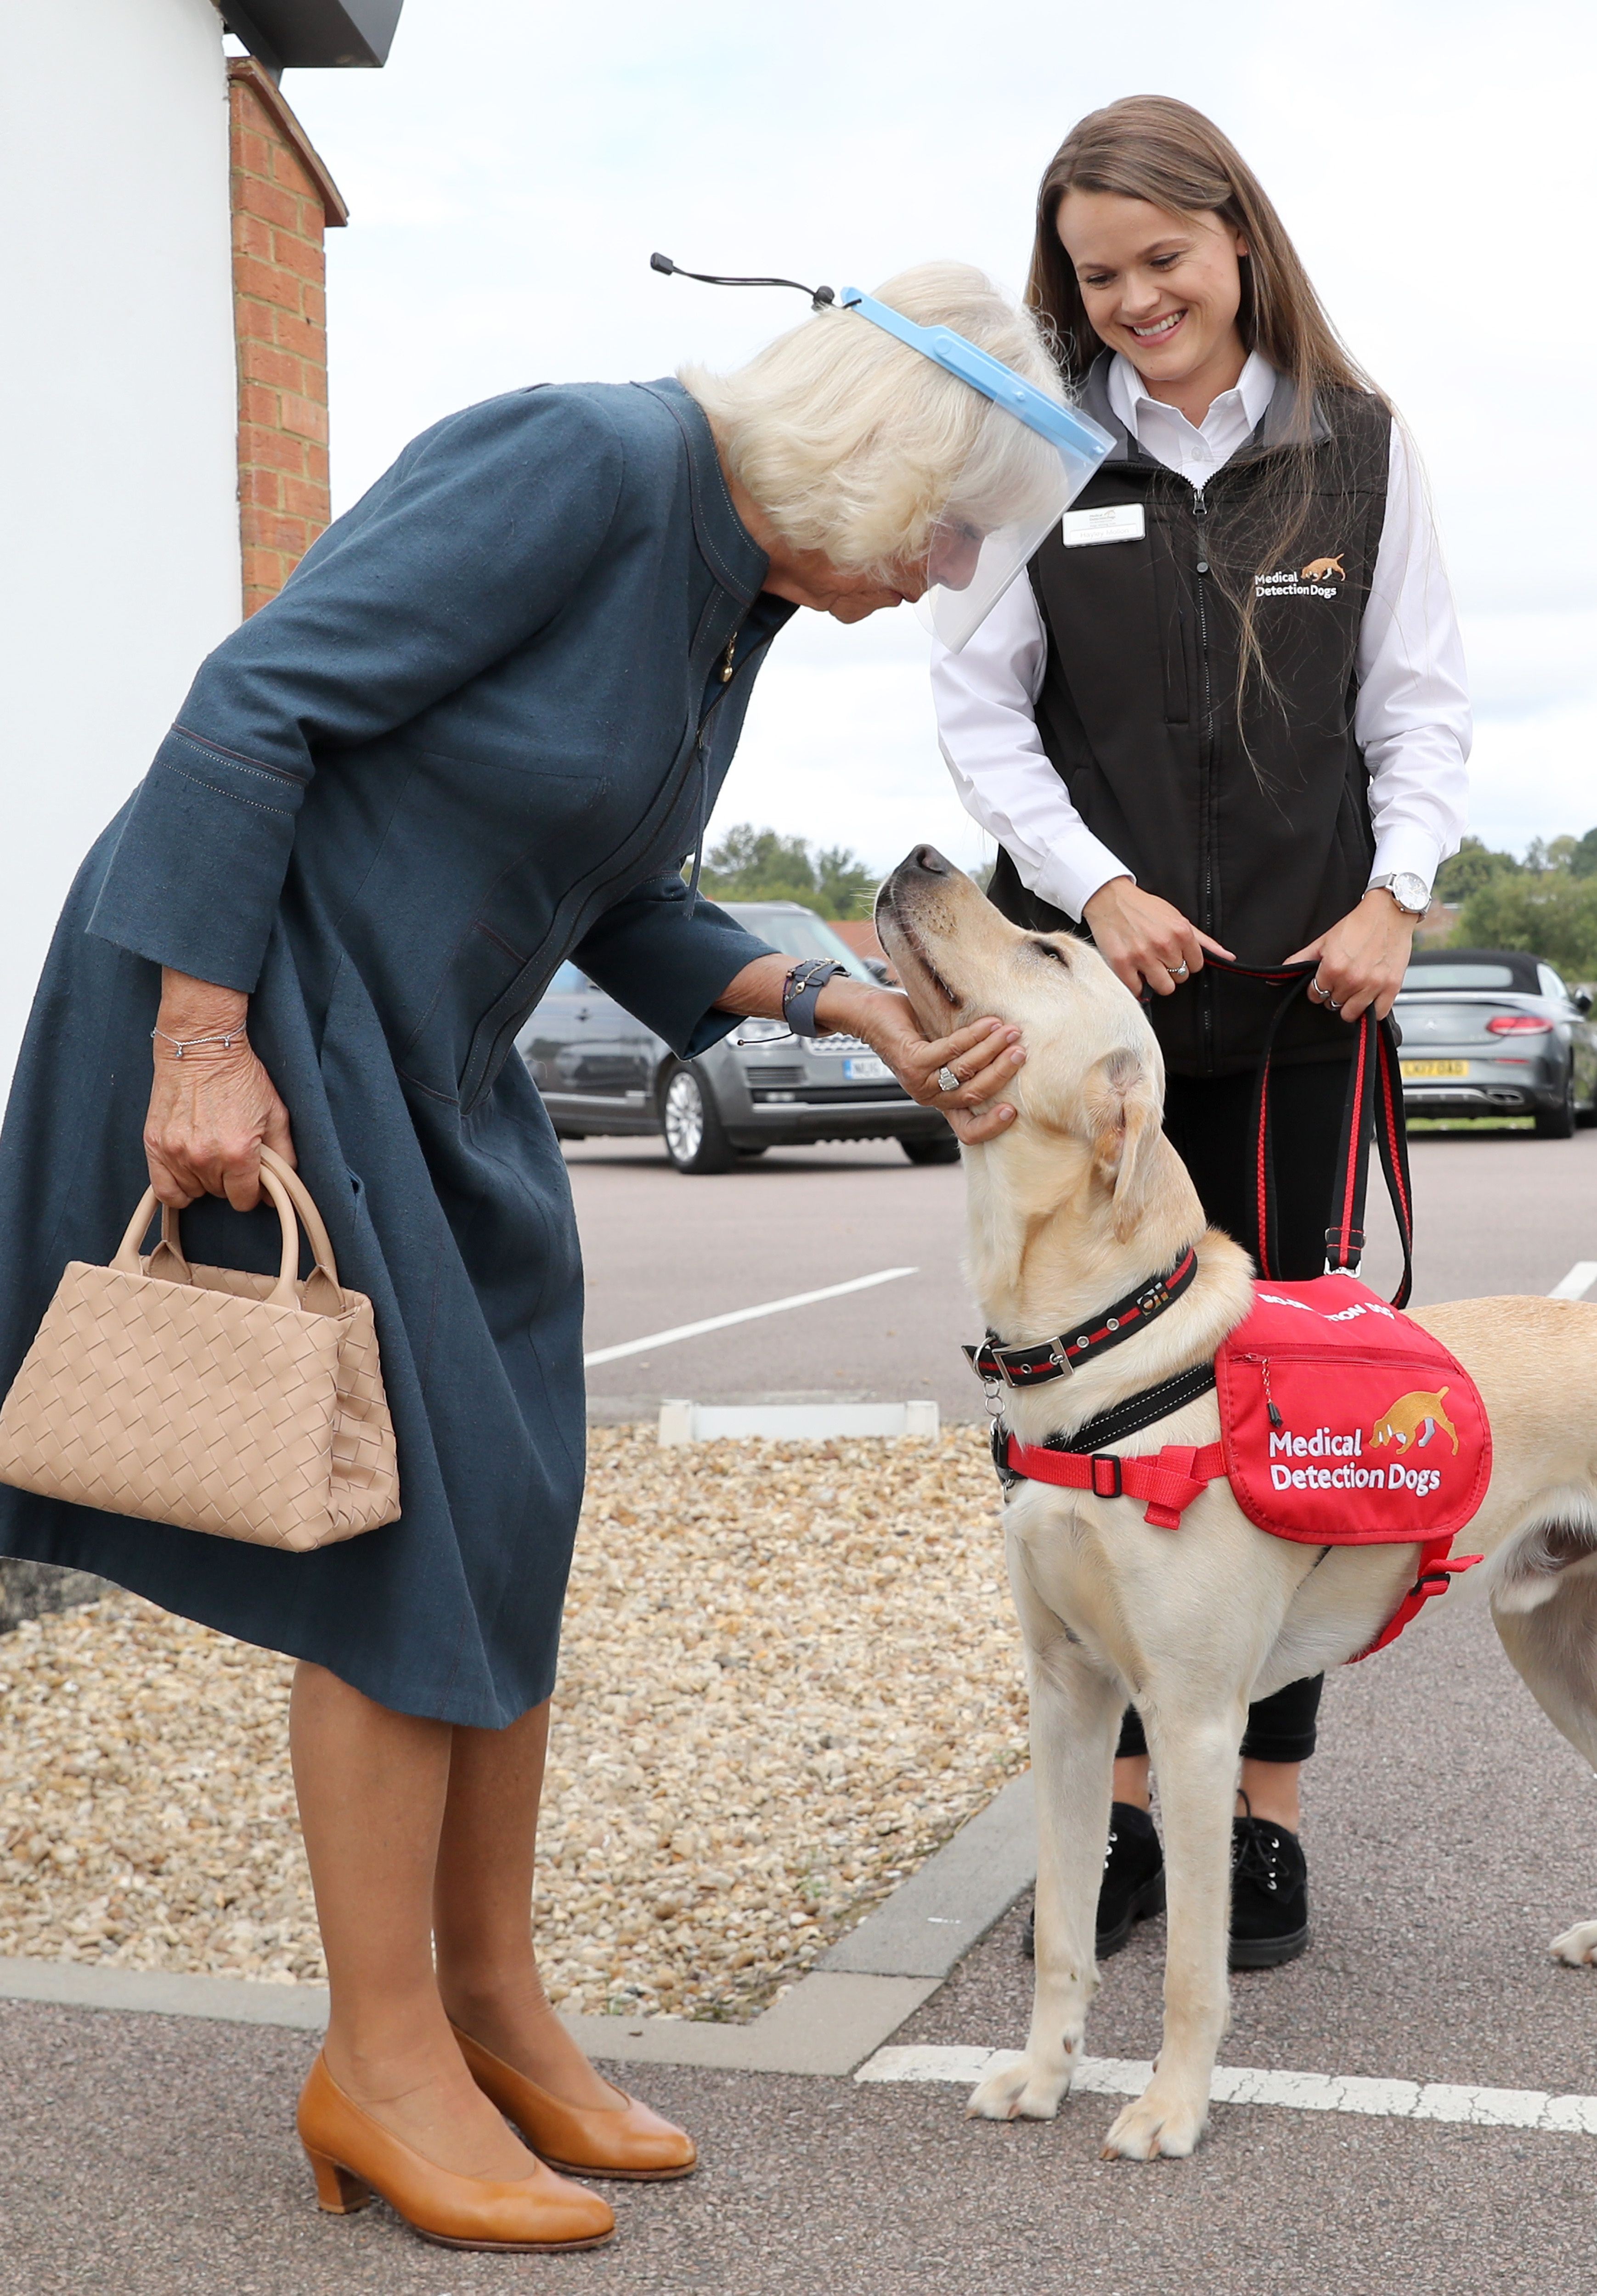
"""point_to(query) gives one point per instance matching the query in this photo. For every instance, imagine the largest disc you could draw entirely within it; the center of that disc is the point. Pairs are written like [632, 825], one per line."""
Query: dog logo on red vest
[1414, 1420]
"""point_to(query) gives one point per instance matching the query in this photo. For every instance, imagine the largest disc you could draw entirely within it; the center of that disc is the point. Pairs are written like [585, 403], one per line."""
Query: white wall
[120, 563]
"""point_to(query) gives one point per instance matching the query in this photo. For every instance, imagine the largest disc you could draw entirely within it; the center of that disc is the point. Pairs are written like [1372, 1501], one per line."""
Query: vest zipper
[1205, 783]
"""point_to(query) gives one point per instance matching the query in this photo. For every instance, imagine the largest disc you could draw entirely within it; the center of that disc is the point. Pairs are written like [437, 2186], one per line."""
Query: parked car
[1494, 1032]
[602, 1071]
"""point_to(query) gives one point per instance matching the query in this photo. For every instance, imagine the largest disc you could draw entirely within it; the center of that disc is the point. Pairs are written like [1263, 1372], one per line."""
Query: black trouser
[1208, 1121]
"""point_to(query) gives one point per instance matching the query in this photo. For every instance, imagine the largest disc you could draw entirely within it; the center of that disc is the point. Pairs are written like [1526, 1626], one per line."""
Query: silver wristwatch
[1411, 892]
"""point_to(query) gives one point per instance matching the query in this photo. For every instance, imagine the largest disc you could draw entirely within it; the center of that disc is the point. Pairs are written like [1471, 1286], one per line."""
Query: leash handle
[1371, 1114]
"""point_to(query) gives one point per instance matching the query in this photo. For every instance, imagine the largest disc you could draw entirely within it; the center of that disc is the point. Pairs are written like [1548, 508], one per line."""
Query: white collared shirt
[1412, 718]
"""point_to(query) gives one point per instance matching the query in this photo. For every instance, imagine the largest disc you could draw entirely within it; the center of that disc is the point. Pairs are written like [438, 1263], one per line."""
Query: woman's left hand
[1361, 960]
[984, 1057]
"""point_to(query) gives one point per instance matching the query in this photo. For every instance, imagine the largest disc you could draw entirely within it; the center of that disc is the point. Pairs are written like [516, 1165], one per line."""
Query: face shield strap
[820, 298]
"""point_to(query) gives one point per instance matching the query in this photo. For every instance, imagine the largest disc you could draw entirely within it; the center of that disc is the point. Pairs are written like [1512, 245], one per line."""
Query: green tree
[1472, 866]
[1582, 861]
[758, 864]
[1553, 915]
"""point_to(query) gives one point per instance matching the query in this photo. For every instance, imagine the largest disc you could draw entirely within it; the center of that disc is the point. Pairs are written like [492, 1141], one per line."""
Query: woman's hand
[210, 1112]
[1361, 960]
[1143, 939]
[984, 1056]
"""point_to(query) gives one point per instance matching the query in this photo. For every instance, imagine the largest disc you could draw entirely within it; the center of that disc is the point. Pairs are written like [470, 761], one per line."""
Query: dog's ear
[1125, 1103]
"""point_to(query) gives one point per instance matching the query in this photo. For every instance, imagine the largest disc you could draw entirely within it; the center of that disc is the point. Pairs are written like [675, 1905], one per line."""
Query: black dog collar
[1056, 1358]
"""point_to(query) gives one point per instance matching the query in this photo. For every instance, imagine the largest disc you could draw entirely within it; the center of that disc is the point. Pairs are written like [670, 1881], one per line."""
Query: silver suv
[601, 1071]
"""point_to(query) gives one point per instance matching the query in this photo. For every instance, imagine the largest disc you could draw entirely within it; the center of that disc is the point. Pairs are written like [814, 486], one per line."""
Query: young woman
[1226, 716]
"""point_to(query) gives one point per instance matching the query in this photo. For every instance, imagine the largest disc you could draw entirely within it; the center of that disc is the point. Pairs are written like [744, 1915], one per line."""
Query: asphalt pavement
[1450, 1832]
[1494, 1212]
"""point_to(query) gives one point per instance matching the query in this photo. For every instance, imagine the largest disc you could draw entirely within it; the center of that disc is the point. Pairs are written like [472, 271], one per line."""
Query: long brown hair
[1154, 148]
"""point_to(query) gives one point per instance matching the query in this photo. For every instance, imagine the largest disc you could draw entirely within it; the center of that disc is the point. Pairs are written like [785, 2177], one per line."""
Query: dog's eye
[1047, 948]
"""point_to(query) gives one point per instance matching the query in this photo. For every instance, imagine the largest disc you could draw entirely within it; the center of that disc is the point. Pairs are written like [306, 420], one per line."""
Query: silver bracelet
[226, 1038]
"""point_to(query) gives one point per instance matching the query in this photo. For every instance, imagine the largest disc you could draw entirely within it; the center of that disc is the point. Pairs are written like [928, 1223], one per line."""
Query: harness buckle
[1107, 1484]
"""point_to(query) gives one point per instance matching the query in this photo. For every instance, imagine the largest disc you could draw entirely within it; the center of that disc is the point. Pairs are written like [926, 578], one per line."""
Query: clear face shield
[1015, 488]
[1030, 459]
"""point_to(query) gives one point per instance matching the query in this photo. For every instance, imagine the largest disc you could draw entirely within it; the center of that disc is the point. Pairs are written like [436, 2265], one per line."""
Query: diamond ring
[947, 1081]
[1180, 971]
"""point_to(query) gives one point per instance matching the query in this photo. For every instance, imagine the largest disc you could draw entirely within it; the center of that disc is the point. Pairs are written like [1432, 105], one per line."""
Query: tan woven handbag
[251, 1407]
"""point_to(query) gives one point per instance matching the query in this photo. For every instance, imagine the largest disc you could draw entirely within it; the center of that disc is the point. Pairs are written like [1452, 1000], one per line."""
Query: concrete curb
[855, 1998]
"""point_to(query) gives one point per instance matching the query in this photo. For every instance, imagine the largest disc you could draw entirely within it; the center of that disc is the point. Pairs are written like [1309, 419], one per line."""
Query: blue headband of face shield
[973, 557]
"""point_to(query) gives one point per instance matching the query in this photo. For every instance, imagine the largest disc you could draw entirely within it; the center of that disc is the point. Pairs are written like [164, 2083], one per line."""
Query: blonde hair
[853, 443]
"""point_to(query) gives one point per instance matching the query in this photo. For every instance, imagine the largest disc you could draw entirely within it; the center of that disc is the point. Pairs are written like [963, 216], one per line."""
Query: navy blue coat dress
[478, 733]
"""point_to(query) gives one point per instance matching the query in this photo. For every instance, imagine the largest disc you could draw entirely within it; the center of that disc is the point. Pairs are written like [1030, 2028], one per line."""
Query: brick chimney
[284, 200]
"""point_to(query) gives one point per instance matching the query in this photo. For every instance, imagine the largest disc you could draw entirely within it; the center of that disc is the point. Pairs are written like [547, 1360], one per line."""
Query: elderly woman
[480, 732]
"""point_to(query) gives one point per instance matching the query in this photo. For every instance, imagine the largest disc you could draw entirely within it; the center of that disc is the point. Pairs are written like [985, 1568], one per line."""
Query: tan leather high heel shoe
[625, 2140]
[354, 2156]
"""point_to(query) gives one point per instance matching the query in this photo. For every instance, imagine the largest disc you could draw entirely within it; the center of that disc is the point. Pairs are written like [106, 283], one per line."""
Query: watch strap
[801, 992]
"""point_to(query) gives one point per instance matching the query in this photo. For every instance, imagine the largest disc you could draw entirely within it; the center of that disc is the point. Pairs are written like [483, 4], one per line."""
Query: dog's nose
[928, 858]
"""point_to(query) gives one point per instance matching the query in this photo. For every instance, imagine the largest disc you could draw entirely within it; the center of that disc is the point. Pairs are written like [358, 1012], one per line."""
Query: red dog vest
[1342, 1424]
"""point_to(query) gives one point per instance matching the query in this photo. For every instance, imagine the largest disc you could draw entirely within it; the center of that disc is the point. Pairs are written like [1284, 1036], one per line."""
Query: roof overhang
[314, 34]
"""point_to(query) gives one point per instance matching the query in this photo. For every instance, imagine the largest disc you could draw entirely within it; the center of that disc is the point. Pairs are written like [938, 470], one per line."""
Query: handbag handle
[1372, 1110]
[288, 1194]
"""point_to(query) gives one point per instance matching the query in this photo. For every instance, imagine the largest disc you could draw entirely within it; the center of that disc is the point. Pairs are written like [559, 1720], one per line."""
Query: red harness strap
[1171, 1479]
[1437, 1570]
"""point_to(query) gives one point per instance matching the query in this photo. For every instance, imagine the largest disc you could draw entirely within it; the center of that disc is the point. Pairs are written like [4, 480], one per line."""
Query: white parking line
[744, 1315]
[1393, 2100]
[1577, 1283]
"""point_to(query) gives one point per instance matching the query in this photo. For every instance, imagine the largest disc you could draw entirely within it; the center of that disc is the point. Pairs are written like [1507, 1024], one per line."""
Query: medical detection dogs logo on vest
[1318, 579]
[1343, 1423]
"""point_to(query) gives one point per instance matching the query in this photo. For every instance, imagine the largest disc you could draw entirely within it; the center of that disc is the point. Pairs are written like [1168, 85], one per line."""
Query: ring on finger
[1180, 971]
[949, 1079]
[1324, 995]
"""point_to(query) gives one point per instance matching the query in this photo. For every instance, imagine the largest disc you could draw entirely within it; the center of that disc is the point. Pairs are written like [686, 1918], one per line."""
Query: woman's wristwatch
[1411, 892]
[802, 989]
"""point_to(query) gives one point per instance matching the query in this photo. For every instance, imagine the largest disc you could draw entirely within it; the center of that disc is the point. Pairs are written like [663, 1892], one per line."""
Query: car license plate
[1412, 1070]
[866, 1068]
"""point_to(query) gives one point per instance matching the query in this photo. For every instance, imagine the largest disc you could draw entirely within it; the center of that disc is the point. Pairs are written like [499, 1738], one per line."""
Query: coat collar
[1275, 431]
[728, 549]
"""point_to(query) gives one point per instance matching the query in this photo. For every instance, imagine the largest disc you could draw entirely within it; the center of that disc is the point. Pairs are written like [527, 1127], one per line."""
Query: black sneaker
[1133, 1883]
[1270, 1895]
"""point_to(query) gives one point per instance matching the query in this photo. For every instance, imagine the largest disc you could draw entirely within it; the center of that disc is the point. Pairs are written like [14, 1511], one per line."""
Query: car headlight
[761, 1032]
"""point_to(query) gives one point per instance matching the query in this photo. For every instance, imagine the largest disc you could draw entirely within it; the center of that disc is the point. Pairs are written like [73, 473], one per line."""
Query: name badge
[1119, 523]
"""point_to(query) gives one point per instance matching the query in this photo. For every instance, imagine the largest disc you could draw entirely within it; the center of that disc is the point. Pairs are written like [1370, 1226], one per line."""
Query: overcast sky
[510, 172]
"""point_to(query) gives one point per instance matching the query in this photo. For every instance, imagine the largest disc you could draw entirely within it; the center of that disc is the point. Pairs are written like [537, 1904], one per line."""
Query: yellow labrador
[1079, 1202]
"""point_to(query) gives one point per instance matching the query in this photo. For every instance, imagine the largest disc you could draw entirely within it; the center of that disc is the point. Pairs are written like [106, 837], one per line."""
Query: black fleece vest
[1257, 826]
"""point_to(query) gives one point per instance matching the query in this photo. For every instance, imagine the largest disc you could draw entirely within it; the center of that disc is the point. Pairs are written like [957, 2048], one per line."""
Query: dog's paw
[1162, 2123]
[1576, 1946]
[1019, 2090]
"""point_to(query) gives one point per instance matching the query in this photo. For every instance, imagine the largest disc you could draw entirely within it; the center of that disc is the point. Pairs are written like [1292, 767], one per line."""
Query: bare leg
[1272, 1792]
[1133, 1780]
[1271, 1789]
[482, 1910]
[372, 1787]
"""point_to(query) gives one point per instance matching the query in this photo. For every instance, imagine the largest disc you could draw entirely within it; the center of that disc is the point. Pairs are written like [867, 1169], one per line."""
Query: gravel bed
[789, 1671]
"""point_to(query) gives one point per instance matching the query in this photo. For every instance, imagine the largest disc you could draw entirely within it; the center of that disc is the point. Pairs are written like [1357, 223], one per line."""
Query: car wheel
[1559, 1123]
[943, 1150]
[695, 1139]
